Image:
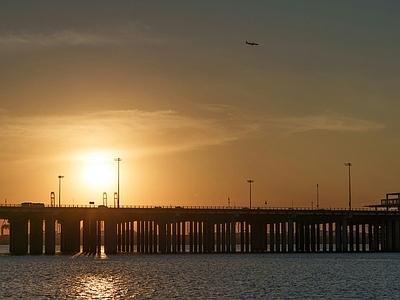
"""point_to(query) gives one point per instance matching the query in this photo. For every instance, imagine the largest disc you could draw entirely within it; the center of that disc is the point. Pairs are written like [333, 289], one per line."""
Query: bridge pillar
[278, 236]
[36, 236]
[389, 236]
[191, 236]
[324, 237]
[357, 236]
[123, 236]
[131, 237]
[376, 236]
[70, 236]
[18, 236]
[161, 237]
[370, 237]
[313, 245]
[397, 235]
[338, 236]
[283, 235]
[272, 237]
[150, 230]
[50, 237]
[223, 237]
[290, 236]
[201, 237]
[86, 236]
[110, 236]
[363, 237]
[92, 236]
[351, 236]
[142, 236]
[233, 235]
[195, 236]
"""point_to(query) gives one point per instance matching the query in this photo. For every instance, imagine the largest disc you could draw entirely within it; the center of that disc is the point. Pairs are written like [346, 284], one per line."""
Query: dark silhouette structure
[251, 43]
[199, 230]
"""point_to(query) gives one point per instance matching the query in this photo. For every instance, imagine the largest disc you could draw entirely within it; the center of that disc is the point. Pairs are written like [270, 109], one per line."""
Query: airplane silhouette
[251, 44]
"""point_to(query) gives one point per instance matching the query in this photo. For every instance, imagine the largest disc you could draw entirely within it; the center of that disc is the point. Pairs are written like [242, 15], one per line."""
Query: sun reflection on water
[99, 287]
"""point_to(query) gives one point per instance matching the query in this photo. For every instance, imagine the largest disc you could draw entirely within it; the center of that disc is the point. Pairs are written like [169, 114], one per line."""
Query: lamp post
[118, 160]
[348, 164]
[250, 181]
[59, 189]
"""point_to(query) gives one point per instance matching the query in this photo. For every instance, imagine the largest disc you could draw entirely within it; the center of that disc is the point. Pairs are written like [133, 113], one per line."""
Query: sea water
[201, 276]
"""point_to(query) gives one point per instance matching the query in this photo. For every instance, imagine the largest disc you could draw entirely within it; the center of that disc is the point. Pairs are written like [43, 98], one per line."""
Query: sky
[172, 89]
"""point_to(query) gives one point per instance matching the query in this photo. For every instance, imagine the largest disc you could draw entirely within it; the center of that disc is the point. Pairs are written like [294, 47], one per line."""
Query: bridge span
[199, 229]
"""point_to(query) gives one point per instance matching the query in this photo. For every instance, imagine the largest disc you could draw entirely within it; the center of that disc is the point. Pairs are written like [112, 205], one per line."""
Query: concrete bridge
[199, 229]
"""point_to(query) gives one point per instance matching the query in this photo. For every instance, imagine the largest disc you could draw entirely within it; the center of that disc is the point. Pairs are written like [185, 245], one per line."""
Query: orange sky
[191, 109]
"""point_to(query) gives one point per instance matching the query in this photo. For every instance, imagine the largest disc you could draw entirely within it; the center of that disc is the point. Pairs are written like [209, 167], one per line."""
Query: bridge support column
[86, 236]
[358, 237]
[324, 237]
[351, 236]
[18, 236]
[92, 236]
[313, 247]
[110, 236]
[272, 237]
[70, 236]
[233, 236]
[123, 236]
[278, 236]
[247, 237]
[290, 236]
[50, 237]
[363, 237]
[397, 235]
[36, 236]
[284, 248]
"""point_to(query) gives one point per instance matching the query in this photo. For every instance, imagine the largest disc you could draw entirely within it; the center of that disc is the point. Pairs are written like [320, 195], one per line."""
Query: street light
[348, 164]
[250, 181]
[59, 189]
[118, 160]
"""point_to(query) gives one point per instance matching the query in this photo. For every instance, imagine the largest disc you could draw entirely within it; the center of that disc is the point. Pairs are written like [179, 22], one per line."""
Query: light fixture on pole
[348, 164]
[250, 181]
[59, 189]
[118, 160]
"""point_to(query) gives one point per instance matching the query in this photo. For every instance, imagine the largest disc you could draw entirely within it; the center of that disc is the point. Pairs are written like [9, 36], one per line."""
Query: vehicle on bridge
[32, 204]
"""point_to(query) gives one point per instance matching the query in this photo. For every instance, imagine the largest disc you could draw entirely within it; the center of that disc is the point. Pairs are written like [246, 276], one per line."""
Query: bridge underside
[194, 231]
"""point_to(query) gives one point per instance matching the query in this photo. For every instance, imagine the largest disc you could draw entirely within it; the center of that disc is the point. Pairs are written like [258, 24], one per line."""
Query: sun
[99, 170]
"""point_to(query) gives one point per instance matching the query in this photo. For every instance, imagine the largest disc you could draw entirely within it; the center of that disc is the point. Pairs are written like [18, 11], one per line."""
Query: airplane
[251, 44]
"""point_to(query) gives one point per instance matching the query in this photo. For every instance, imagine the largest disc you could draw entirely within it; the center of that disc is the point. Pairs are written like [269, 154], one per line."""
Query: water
[202, 276]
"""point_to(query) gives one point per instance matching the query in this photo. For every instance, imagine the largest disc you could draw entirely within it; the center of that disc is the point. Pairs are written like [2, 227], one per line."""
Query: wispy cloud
[327, 122]
[137, 132]
[118, 35]
[142, 133]
[64, 37]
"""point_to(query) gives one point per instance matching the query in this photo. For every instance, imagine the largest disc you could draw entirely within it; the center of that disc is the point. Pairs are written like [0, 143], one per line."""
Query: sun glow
[99, 170]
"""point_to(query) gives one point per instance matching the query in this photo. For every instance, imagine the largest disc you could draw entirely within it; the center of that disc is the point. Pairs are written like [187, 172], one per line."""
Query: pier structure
[199, 229]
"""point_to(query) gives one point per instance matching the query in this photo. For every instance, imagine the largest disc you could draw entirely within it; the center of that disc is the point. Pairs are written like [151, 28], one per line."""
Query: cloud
[59, 38]
[328, 122]
[135, 132]
[121, 34]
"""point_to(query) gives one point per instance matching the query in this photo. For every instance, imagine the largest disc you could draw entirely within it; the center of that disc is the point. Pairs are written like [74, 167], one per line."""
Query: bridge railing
[195, 207]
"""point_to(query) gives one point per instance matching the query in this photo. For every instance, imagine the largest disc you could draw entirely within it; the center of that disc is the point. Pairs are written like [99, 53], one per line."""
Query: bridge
[199, 229]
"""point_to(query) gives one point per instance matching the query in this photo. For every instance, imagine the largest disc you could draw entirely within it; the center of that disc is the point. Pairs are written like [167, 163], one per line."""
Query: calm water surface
[202, 276]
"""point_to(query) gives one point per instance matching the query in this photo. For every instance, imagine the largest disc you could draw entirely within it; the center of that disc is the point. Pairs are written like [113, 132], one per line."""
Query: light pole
[118, 160]
[250, 181]
[59, 189]
[348, 164]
